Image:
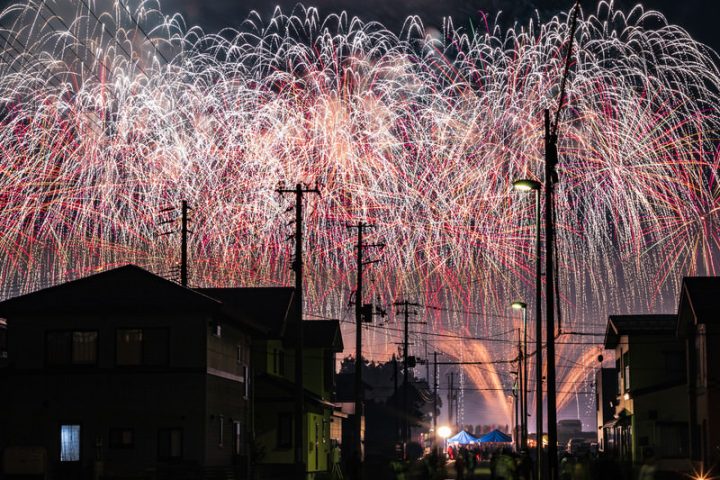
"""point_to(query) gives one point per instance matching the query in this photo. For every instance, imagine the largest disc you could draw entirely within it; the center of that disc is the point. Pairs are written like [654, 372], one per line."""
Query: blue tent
[463, 438]
[496, 436]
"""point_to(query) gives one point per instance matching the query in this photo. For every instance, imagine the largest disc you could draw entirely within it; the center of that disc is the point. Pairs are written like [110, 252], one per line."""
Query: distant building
[567, 429]
[125, 374]
[699, 326]
[650, 410]
[606, 396]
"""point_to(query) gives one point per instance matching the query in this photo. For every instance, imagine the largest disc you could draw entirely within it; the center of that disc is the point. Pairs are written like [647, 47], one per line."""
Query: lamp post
[444, 433]
[534, 186]
[523, 376]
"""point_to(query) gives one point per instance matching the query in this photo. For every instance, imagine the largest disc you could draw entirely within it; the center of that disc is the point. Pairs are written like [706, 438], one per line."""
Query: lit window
[69, 443]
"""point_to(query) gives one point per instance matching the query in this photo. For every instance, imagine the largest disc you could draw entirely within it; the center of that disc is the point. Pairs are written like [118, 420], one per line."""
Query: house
[126, 374]
[606, 394]
[275, 400]
[650, 413]
[699, 327]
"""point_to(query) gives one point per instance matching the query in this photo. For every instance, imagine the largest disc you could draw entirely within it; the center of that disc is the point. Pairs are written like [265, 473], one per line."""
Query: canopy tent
[496, 436]
[463, 438]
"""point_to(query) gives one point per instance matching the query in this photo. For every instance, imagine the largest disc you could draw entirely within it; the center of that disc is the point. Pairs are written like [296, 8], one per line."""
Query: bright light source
[526, 185]
[626, 396]
[519, 305]
[444, 432]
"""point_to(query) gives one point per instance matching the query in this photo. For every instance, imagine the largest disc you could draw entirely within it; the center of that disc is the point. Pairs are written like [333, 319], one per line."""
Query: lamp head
[526, 185]
[519, 305]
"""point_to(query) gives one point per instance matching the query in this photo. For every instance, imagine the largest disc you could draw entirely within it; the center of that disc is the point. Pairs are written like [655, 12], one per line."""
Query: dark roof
[127, 288]
[699, 301]
[323, 334]
[619, 325]
[265, 308]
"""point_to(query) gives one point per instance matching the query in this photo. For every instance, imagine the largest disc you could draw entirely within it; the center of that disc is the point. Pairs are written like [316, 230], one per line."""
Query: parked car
[578, 446]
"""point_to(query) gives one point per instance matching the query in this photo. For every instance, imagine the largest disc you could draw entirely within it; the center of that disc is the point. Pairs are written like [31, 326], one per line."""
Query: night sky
[698, 17]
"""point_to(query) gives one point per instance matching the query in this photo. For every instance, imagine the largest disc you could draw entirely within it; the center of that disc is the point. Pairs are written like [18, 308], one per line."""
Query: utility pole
[184, 220]
[360, 312]
[395, 399]
[183, 246]
[520, 378]
[435, 400]
[551, 179]
[299, 191]
[450, 398]
[406, 312]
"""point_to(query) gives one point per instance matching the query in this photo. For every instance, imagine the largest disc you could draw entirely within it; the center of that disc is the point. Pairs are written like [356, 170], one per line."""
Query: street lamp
[526, 185]
[523, 376]
[444, 433]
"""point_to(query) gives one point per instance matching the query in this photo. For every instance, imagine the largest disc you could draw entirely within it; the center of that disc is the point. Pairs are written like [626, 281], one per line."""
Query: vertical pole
[550, 163]
[299, 390]
[525, 382]
[538, 344]
[297, 266]
[435, 400]
[395, 400]
[358, 353]
[518, 411]
[406, 419]
[450, 399]
[183, 245]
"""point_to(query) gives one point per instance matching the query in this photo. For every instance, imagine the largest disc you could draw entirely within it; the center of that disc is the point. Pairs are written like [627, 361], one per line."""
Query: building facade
[650, 418]
[125, 374]
[606, 395]
[699, 327]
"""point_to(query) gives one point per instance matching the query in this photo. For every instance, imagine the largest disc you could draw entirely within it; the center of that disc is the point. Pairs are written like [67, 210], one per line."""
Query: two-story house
[650, 418]
[124, 374]
[274, 382]
[699, 326]
[275, 400]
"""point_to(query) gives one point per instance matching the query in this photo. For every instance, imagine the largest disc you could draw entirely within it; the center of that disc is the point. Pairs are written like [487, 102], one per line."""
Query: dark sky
[699, 17]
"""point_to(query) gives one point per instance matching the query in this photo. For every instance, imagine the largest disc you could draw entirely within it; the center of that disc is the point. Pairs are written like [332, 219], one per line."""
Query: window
[170, 443]
[146, 346]
[122, 438]
[237, 438]
[70, 443]
[246, 380]
[284, 431]
[626, 368]
[221, 430]
[69, 347]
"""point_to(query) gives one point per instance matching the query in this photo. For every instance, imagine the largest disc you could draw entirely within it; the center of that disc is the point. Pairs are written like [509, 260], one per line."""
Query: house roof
[120, 289]
[323, 334]
[619, 325]
[265, 308]
[699, 302]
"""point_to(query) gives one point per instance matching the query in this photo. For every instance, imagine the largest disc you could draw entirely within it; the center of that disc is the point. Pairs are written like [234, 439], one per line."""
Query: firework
[110, 115]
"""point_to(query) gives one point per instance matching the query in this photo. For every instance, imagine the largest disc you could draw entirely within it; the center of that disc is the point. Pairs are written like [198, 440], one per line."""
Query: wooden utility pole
[183, 245]
[299, 191]
[360, 312]
[406, 313]
[184, 231]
